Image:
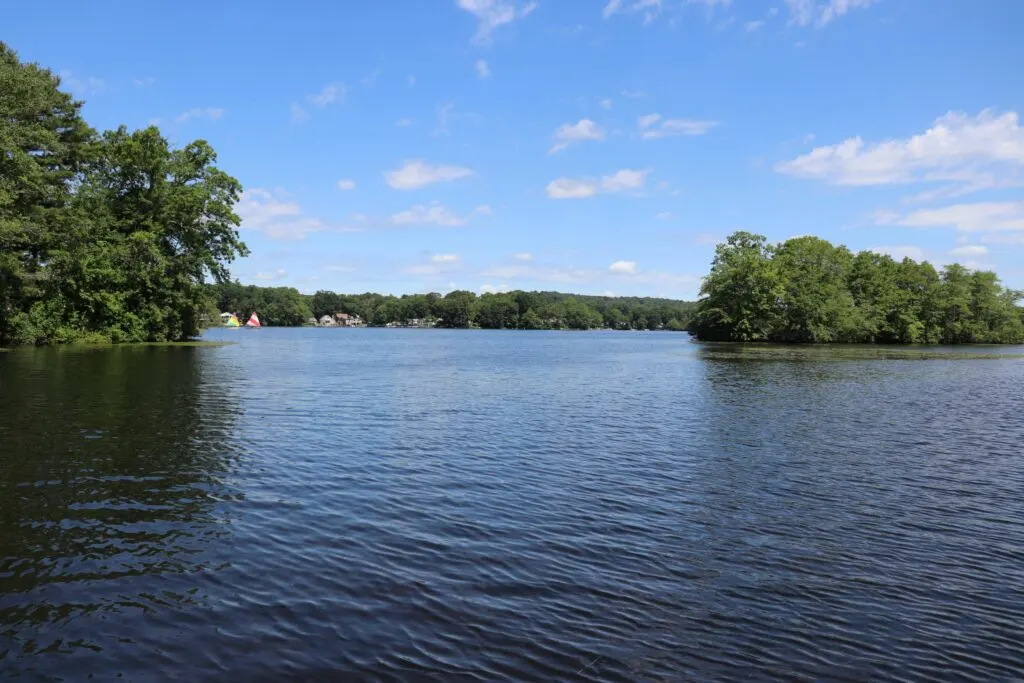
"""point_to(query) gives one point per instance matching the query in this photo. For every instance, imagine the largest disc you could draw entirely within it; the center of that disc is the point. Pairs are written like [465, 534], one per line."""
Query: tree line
[806, 290]
[103, 236]
[285, 306]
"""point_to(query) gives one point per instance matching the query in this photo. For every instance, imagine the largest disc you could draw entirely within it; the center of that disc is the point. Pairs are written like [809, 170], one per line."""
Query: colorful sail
[253, 321]
[232, 321]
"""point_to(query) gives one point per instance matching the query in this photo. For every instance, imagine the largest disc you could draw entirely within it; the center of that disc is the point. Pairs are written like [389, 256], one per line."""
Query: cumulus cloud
[346, 185]
[482, 69]
[598, 279]
[620, 181]
[492, 14]
[275, 215]
[493, 289]
[445, 258]
[976, 217]
[623, 268]
[212, 113]
[436, 214]
[144, 82]
[752, 26]
[964, 150]
[415, 173]
[653, 126]
[271, 276]
[568, 188]
[901, 252]
[569, 133]
[523, 256]
[969, 250]
[606, 103]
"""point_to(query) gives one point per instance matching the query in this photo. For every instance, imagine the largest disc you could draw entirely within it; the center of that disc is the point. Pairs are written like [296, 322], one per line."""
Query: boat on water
[232, 321]
[253, 323]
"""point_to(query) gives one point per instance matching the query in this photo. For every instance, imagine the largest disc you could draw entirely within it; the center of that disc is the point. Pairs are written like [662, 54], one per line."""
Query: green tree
[456, 309]
[816, 304]
[740, 295]
[45, 146]
[497, 311]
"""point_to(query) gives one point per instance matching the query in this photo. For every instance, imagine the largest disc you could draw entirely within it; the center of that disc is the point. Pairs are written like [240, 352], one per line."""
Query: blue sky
[598, 147]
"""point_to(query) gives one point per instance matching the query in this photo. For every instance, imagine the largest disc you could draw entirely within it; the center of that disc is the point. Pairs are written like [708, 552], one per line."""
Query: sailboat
[253, 322]
[232, 321]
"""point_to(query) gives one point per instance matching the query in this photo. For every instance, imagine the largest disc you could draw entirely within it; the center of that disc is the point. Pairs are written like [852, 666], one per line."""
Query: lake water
[458, 505]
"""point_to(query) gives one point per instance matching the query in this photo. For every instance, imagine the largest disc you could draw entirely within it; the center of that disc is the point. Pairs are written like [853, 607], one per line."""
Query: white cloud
[346, 185]
[625, 179]
[598, 279]
[275, 216]
[402, 123]
[493, 289]
[81, 87]
[415, 174]
[278, 274]
[299, 115]
[961, 149]
[567, 188]
[978, 217]
[482, 69]
[445, 258]
[492, 14]
[653, 126]
[436, 214]
[623, 268]
[752, 26]
[329, 94]
[664, 215]
[568, 133]
[773, 12]
[143, 82]
[211, 113]
[650, 8]
[606, 103]
[807, 12]
[647, 121]
[901, 252]
[620, 181]
[969, 250]
[523, 256]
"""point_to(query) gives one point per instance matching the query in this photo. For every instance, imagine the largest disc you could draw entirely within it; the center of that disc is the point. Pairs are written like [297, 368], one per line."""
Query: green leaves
[807, 290]
[108, 236]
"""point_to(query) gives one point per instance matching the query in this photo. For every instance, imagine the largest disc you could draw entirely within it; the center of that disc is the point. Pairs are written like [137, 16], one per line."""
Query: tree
[740, 295]
[497, 311]
[456, 309]
[816, 304]
[45, 145]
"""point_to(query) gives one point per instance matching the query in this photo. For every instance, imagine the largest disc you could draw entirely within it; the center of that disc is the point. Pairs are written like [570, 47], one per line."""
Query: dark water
[427, 505]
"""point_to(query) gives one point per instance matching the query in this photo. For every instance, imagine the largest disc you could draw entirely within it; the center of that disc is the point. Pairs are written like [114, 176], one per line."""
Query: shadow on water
[114, 492]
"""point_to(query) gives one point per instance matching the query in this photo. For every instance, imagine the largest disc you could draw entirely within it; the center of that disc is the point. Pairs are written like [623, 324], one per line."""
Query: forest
[104, 237]
[806, 290]
[285, 306]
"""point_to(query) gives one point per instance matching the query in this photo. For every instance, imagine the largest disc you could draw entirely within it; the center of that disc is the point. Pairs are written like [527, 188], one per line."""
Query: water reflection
[115, 486]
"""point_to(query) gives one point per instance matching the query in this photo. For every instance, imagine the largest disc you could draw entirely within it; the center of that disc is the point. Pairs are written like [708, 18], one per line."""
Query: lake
[338, 504]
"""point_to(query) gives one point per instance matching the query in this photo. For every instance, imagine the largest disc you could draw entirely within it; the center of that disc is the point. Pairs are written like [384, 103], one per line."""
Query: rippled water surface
[431, 505]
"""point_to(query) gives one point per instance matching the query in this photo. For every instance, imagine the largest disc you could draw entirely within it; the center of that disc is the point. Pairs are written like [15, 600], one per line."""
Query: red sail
[253, 321]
